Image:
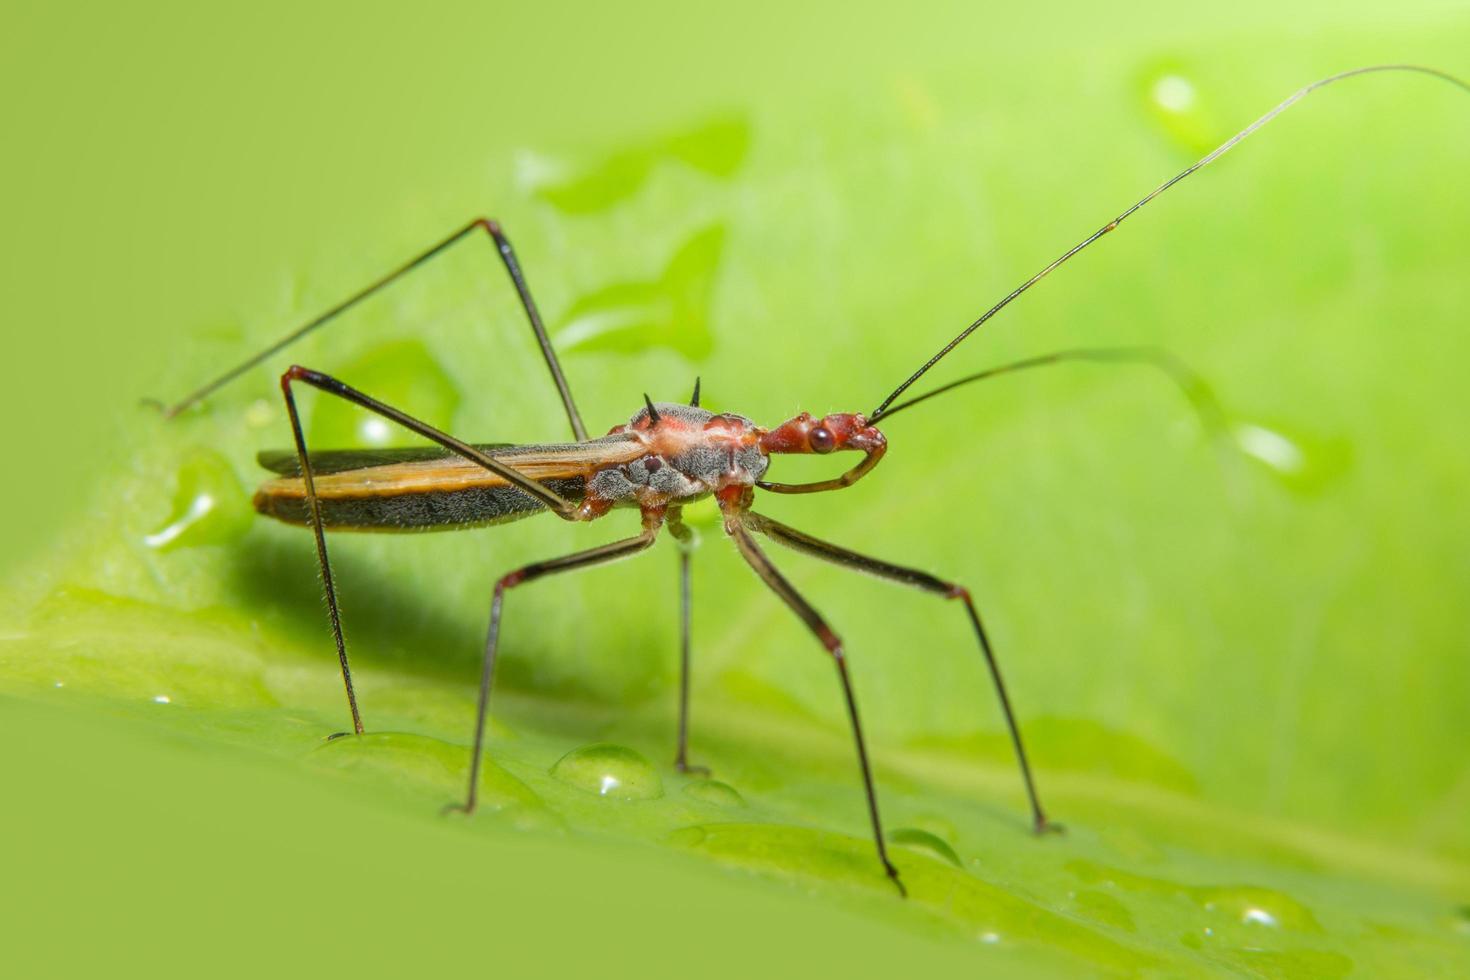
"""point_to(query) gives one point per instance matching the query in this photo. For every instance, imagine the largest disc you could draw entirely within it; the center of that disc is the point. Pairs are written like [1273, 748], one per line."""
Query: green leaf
[1243, 686]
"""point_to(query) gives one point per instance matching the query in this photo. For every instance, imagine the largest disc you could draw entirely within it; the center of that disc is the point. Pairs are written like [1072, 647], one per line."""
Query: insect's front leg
[652, 520]
[558, 505]
[803, 542]
[832, 643]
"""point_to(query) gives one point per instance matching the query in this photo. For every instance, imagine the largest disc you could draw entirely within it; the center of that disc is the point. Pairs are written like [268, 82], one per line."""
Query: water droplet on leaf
[1255, 906]
[208, 507]
[1176, 103]
[610, 771]
[714, 792]
[1302, 463]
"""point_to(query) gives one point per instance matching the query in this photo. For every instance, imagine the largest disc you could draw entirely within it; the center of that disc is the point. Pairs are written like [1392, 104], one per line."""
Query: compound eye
[821, 439]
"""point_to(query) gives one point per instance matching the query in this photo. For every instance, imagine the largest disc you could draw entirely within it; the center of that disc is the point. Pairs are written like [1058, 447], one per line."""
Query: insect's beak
[853, 432]
[864, 437]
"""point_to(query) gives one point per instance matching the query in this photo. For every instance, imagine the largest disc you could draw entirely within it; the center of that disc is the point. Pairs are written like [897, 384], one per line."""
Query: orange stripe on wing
[457, 473]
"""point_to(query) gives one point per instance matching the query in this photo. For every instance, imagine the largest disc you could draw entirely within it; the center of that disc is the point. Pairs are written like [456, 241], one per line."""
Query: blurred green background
[1244, 678]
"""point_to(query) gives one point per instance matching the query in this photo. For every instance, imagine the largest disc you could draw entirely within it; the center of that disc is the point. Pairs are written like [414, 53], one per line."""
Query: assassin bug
[666, 456]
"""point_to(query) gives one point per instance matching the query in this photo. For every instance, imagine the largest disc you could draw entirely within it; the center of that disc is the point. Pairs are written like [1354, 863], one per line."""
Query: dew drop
[921, 840]
[1258, 915]
[1172, 97]
[418, 758]
[714, 792]
[610, 771]
[162, 699]
[374, 432]
[208, 506]
[1302, 463]
[1173, 93]
[1235, 912]
[1256, 907]
[1271, 448]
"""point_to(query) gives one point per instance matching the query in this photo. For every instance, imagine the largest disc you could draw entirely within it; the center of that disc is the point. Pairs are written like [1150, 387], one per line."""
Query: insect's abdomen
[425, 510]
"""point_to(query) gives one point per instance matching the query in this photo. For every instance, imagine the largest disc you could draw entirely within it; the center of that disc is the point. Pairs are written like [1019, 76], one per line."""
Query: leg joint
[298, 373]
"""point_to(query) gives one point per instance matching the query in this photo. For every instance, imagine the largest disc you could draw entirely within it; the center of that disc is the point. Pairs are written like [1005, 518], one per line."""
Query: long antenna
[1207, 159]
[1191, 385]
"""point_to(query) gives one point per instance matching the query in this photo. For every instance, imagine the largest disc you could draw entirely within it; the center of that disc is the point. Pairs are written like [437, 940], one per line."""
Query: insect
[665, 457]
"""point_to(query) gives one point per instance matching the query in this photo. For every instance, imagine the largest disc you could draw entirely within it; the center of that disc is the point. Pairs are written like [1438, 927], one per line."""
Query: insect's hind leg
[652, 521]
[687, 541]
[512, 268]
[800, 541]
[558, 505]
[833, 645]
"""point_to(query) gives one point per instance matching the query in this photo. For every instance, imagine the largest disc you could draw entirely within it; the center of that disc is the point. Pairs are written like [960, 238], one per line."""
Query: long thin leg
[799, 541]
[652, 520]
[687, 541]
[833, 644]
[324, 564]
[324, 382]
[332, 386]
[518, 278]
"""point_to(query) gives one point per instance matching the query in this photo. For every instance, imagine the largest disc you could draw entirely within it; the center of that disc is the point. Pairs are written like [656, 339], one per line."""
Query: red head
[837, 431]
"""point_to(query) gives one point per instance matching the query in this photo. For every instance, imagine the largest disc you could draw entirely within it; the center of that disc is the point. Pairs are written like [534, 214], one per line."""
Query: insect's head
[838, 431]
[835, 432]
